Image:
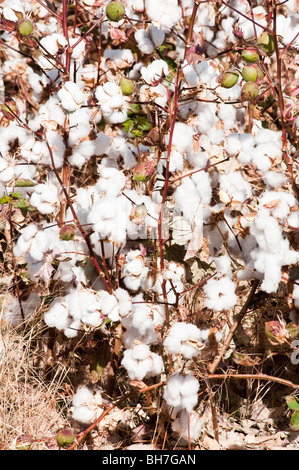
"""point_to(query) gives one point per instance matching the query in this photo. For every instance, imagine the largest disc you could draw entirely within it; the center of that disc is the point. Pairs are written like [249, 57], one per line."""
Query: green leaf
[24, 183]
[294, 423]
[292, 402]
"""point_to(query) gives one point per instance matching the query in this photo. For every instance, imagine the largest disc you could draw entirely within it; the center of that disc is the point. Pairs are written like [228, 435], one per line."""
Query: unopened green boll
[229, 79]
[115, 11]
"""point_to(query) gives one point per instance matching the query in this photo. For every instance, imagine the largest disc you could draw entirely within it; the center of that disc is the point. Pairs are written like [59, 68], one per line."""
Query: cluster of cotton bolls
[41, 246]
[228, 189]
[180, 394]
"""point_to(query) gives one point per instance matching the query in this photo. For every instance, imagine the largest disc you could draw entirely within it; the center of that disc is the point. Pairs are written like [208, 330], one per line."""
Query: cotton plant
[228, 188]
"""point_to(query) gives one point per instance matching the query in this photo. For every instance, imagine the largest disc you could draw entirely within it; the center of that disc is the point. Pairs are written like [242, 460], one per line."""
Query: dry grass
[28, 403]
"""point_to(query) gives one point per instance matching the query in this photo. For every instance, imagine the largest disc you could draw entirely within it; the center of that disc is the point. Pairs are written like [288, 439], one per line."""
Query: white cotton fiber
[188, 425]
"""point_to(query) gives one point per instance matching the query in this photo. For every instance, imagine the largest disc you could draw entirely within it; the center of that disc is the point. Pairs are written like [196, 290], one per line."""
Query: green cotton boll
[250, 55]
[266, 43]
[229, 79]
[115, 11]
[252, 73]
[127, 86]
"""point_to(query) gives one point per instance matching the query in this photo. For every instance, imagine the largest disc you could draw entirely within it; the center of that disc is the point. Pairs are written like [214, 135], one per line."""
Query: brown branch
[257, 376]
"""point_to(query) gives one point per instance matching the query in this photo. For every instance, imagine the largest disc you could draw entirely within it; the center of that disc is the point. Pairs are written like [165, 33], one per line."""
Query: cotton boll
[274, 179]
[134, 270]
[182, 138]
[86, 405]
[113, 104]
[120, 57]
[295, 295]
[235, 186]
[154, 72]
[111, 182]
[156, 93]
[45, 198]
[233, 144]
[281, 202]
[206, 117]
[58, 315]
[79, 125]
[220, 294]
[188, 426]
[185, 339]
[148, 40]
[144, 42]
[181, 392]
[157, 366]
[110, 307]
[71, 96]
[163, 14]
[137, 361]
[272, 250]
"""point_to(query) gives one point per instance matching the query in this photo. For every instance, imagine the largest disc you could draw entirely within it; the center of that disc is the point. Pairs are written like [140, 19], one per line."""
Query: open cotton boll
[181, 391]
[79, 50]
[79, 127]
[182, 138]
[111, 181]
[13, 314]
[113, 104]
[223, 265]
[148, 40]
[263, 155]
[33, 241]
[274, 179]
[279, 203]
[246, 25]
[71, 96]
[45, 198]
[220, 294]
[164, 14]
[272, 251]
[156, 93]
[110, 307]
[295, 295]
[137, 361]
[154, 72]
[120, 57]
[50, 114]
[6, 171]
[50, 43]
[86, 405]
[134, 270]
[188, 200]
[235, 186]
[184, 338]
[110, 218]
[58, 314]
[188, 425]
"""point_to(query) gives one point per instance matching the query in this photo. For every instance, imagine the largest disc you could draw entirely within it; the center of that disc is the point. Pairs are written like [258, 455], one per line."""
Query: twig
[269, 378]
[83, 233]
